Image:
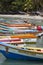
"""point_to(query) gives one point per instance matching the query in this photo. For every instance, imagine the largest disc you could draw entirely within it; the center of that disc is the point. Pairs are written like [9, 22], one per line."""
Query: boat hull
[10, 55]
[21, 53]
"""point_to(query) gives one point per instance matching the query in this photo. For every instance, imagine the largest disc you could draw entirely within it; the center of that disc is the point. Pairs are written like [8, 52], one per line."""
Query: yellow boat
[24, 36]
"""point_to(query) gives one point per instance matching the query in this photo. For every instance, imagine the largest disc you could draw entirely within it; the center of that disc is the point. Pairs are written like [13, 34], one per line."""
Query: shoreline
[23, 16]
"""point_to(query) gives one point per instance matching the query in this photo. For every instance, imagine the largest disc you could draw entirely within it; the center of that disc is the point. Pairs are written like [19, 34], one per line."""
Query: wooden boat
[20, 25]
[17, 25]
[9, 39]
[24, 53]
[18, 30]
[24, 36]
[23, 26]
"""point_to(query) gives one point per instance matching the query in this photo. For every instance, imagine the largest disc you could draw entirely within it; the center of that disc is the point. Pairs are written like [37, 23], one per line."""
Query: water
[4, 61]
[19, 62]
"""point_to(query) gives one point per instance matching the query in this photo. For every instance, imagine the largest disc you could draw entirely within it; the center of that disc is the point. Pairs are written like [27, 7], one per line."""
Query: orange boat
[17, 25]
[20, 25]
[24, 36]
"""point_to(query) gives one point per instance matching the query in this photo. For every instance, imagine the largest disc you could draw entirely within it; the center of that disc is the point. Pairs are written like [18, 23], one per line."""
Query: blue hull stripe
[18, 56]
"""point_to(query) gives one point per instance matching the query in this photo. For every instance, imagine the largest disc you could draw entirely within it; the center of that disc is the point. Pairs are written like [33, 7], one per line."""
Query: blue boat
[23, 53]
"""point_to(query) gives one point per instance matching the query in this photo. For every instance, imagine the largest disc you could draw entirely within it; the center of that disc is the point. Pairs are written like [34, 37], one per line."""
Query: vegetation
[10, 6]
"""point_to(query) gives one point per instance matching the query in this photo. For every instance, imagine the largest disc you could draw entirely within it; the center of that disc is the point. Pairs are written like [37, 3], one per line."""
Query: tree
[20, 5]
[28, 5]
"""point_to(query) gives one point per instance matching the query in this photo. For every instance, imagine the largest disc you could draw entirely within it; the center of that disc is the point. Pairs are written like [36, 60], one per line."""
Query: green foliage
[20, 5]
[28, 5]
